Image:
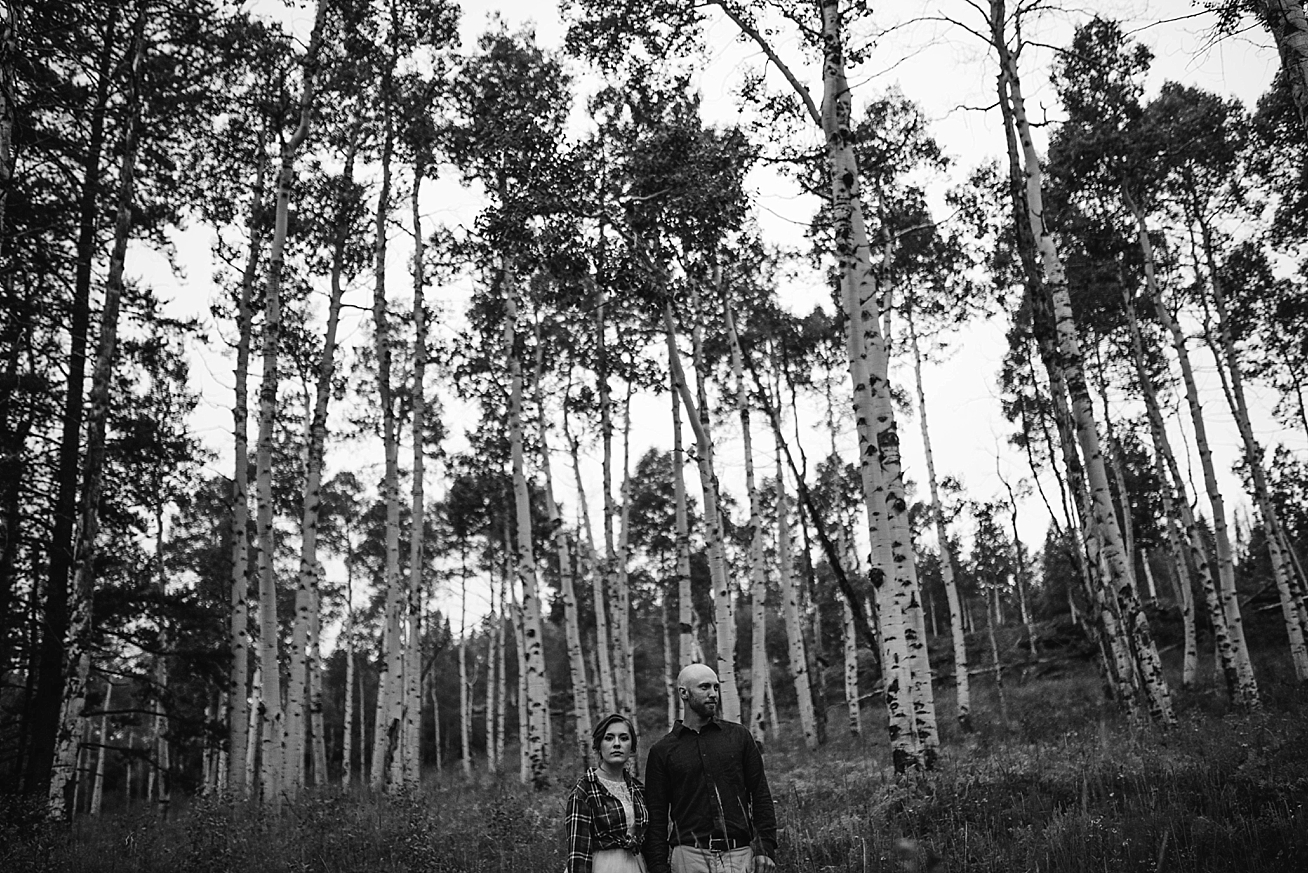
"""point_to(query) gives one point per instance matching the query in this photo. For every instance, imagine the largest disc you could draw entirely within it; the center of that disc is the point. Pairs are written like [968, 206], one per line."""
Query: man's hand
[764, 864]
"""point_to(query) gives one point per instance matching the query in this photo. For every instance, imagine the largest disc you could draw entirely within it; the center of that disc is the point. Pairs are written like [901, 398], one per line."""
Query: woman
[607, 818]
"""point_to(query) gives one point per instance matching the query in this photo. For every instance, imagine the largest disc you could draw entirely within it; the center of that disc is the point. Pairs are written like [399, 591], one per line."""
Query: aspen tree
[82, 751]
[77, 647]
[1290, 584]
[790, 611]
[412, 663]
[389, 683]
[670, 665]
[317, 728]
[1185, 597]
[1232, 652]
[436, 721]
[1019, 564]
[161, 745]
[757, 570]
[239, 634]
[129, 775]
[1072, 364]
[607, 581]
[626, 675]
[271, 758]
[904, 589]
[347, 640]
[306, 590]
[491, 661]
[571, 625]
[963, 688]
[1288, 24]
[850, 643]
[698, 417]
[1080, 516]
[687, 644]
[160, 726]
[599, 598]
[502, 687]
[524, 718]
[536, 703]
[900, 613]
[97, 791]
[255, 731]
[867, 357]
[992, 603]
[465, 709]
[811, 608]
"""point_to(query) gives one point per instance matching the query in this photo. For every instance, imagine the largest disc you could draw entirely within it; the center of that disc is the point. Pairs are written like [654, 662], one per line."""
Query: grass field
[1065, 787]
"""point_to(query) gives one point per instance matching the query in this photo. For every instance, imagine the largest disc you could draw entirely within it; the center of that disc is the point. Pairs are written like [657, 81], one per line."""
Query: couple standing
[705, 803]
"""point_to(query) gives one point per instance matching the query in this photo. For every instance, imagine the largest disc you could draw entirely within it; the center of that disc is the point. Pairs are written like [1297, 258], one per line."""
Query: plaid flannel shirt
[595, 820]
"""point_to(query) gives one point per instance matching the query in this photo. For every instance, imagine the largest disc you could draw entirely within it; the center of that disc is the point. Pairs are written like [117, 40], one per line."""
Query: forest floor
[1063, 784]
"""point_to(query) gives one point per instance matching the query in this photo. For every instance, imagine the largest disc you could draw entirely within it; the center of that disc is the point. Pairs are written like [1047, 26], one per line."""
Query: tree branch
[753, 33]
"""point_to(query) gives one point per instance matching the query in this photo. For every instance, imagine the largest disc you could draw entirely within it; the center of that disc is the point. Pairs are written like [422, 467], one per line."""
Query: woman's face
[615, 746]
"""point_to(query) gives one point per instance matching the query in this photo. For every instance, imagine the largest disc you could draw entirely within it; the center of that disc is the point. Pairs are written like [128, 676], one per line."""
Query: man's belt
[726, 844]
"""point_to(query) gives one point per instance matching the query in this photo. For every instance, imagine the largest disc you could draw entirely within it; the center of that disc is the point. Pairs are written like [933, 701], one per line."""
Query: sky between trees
[936, 64]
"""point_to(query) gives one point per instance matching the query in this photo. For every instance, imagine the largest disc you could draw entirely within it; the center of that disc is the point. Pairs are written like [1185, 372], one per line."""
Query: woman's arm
[578, 821]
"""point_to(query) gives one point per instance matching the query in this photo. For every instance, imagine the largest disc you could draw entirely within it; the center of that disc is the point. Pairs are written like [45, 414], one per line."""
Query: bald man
[710, 810]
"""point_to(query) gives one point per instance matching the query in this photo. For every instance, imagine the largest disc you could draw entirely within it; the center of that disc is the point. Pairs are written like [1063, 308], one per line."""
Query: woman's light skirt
[617, 861]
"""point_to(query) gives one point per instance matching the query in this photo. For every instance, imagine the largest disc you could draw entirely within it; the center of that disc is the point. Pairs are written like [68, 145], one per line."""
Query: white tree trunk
[306, 591]
[389, 714]
[850, 643]
[524, 726]
[238, 695]
[1232, 653]
[436, 720]
[524, 559]
[1185, 597]
[605, 581]
[491, 682]
[272, 758]
[860, 299]
[730, 699]
[1071, 359]
[688, 645]
[963, 685]
[571, 624]
[348, 740]
[465, 709]
[1289, 27]
[624, 663]
[502, 690]
[97, 792]
[1289, 584]
[411, 757]
[757, 571]
[254, 734]
[790, 611]
[599, 599]
[317, 728]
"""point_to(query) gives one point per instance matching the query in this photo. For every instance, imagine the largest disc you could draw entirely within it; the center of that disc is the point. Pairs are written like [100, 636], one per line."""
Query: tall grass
[1066, 787]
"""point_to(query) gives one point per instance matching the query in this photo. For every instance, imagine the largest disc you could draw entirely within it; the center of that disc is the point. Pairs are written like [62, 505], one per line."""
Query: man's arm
[760, 798]
[656, 798]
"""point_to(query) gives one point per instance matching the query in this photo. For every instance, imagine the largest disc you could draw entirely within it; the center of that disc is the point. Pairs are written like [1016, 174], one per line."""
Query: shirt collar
[679, 727]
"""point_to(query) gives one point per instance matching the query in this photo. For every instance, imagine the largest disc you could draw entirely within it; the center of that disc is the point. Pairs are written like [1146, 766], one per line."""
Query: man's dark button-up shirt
[707, 789]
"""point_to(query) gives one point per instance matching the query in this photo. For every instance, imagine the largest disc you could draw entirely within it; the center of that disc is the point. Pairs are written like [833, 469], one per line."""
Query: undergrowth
[1066, 786]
